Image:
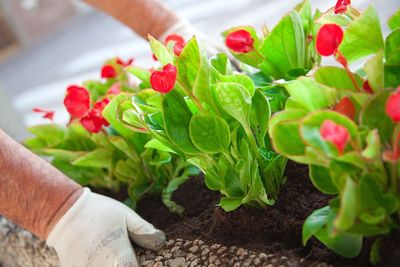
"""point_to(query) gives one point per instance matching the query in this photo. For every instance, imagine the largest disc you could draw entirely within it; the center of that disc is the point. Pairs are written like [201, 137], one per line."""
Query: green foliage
[363, 178]
[118, 158]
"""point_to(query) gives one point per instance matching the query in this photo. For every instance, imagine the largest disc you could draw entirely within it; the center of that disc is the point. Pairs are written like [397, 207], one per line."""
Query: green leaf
[392, 76]
[157, 144]
[177, 116]
[220, 63]
[314, 222]
[260, 115]
[394, 20]
[339, 19]
[373, 149]
[348, 206]
[142, 74]
[209, 133]
[235, 100]
[337, 78]
[230, 204]
[374, 116]
[321, 179]
[110, 113]
[99, 158]
[167, 194]
[363, 37]
[194, 72]
[284, 48]
[62, 154]
[310, 94]
[374, 256]
[241, 79]
[392, 51]
[161, 52]
[251, 58]
[52, 134]
[286, 138]
[123, 146]
[375, 72]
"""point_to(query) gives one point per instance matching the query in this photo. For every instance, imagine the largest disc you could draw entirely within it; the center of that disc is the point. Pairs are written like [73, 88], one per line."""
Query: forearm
[33, 194]
[143, 16]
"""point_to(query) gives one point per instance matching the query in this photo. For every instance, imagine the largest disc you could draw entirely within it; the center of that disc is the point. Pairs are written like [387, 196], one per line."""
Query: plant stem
[339, 55]
[191, 95]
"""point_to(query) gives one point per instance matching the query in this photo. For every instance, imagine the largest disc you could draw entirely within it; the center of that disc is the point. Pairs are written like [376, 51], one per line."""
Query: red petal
[346, 107]
[367, 88]
[92, 122]
[115, 89]
[240, 41]
[77, 101]
[108, 71]
[164, 81]
[174, 38]
[341, 6]
[178, 47]
[119, 61]
[329, 37]
[393, 106]
[337, 134]
[48, 114]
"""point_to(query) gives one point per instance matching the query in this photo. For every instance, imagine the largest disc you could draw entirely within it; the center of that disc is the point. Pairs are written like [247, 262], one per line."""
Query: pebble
[158, 264]
[194, 263]
[167, 255]
[177, 262]
[205, 251]
[221, 250]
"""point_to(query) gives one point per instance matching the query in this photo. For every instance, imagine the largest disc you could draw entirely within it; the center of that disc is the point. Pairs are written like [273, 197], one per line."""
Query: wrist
[70, 199]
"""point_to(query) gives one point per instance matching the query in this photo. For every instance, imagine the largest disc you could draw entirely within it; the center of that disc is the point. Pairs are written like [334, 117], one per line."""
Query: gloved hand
[212, 47]
[95, 231]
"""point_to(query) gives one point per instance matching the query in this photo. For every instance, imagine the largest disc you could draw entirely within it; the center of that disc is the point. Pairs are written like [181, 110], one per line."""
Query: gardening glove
[95, 231]
[185, 29]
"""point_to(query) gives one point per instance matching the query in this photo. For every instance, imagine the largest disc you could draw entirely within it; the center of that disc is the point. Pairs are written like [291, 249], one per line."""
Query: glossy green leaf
[284, 48]
[260, 115]
[177, 116]
[157, 144]
[348, 206]
[310, 94]
[111, 114]
[99, 158]
[209, 133]
[220, 63]
[392, 49]
[337, 78]
[286, 138]
[392, 76]
[314, 222]
[375, 72]
[52, 134]
[161, 52]
[363, 37]
[141, 73]
[394, 20]
[321, 179]
[230, 204]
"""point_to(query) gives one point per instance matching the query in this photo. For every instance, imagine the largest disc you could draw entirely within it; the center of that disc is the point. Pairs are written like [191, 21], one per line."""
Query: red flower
[94, 121]
[179, 43]
[329, 38]
[115, 89]
[346, 107]
[341, 6]
[108, 72]
[77, 101]
[393, 106]
[367, 88]
[119, 61]
[240, 41]
[335, 133]
[47, 114]
[164, 81]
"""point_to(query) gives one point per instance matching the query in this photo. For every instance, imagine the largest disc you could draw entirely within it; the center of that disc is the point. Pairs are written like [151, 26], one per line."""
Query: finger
[143, 233]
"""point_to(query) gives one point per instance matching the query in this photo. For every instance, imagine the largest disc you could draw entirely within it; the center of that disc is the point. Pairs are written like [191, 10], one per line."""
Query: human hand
[96, 231]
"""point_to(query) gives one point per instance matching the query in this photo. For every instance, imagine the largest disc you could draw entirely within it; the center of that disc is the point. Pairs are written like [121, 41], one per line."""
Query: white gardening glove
[95, 232]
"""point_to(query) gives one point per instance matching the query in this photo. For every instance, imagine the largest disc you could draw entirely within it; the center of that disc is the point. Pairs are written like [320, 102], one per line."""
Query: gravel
[19, 248]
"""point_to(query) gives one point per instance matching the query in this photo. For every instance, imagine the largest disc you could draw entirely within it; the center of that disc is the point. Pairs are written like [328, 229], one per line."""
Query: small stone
[237, 264]
[215, 247]
[158, 258]
[187, 244]
[177, 262]
[221, 250]
[205, 251]
[241, 252]
[198, 242]
[246, 263]
[169, 243]
[274, 260]
[269, 265]
[190, 257]
[179, 253]
[217, 262]
[158, 264]
[211, 265]
[257, 261]
[212, 258]
[149, 263]
[167, 255]
[232, 249]
[283, 258]
[194, 249]
[194, 263]
[263, 256]
[174, 249]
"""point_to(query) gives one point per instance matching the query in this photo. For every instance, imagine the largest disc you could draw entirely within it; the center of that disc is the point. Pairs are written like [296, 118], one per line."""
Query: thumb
[143, 233]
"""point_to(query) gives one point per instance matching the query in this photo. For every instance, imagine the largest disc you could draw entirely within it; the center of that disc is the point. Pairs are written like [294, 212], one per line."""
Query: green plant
[96, 149]
[344, 125]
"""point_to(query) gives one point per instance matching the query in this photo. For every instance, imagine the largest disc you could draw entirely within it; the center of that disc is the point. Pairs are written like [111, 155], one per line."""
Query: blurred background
[45, 45]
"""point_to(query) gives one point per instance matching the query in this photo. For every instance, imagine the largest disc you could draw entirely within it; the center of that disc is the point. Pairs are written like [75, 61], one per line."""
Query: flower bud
[337, 134]
[240, 41]
[329, 38]
[77, 101]
[163, 81]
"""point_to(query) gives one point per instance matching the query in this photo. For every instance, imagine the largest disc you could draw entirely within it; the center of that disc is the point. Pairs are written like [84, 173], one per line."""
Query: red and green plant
[96, 149]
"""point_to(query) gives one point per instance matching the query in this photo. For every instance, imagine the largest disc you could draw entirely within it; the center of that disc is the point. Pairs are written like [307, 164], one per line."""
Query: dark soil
[276, 229]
